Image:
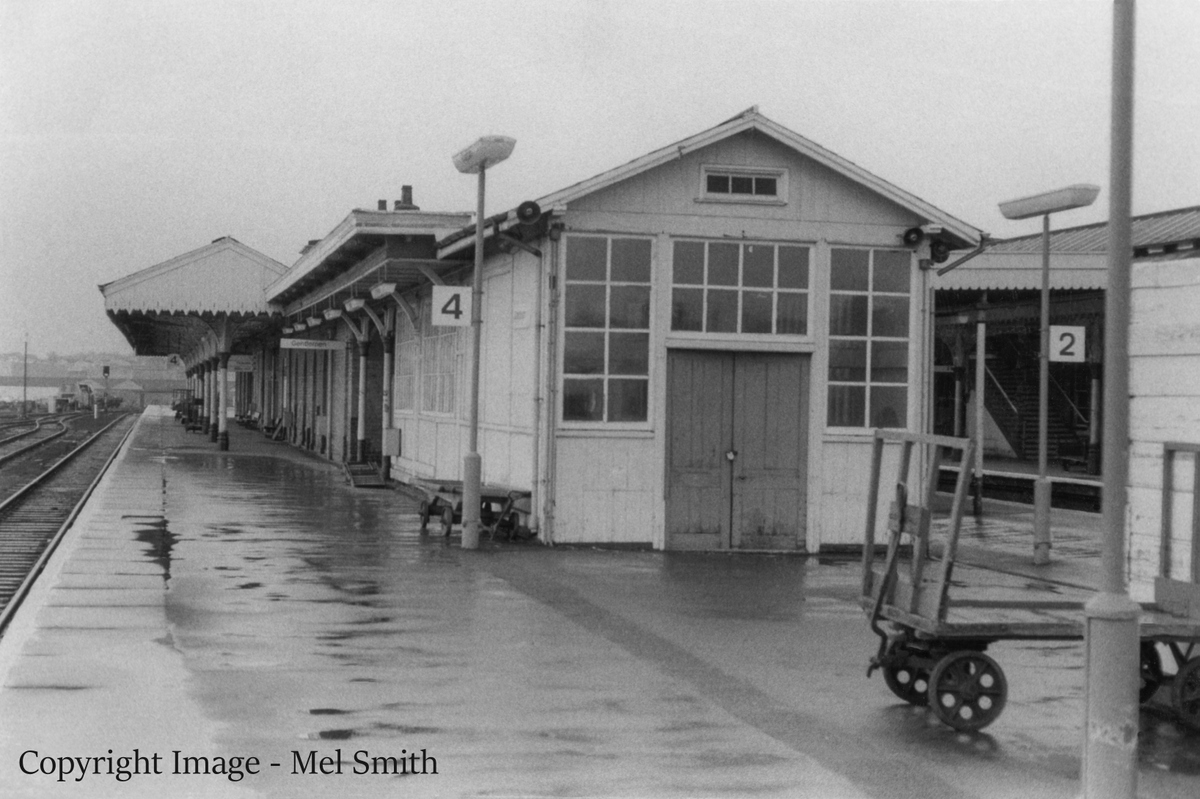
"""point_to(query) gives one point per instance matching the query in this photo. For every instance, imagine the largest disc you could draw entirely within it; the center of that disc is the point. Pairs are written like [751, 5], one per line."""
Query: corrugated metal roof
[1149, 231]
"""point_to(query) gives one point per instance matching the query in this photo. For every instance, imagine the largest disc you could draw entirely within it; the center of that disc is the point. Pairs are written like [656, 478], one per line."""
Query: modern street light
[1077, 196]
[486, 152]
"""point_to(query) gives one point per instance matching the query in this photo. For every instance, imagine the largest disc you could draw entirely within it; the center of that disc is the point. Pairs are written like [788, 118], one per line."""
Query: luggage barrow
[502, 509]
[934, 650]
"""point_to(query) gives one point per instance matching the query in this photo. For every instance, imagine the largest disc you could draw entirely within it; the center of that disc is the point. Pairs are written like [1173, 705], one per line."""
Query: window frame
[780, 174]
[606, 330]
[741, 289]
[868, 340]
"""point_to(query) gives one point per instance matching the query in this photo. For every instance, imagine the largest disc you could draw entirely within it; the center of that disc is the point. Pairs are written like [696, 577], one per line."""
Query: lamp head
[486, 152]
[354, 304]
[1079, 195]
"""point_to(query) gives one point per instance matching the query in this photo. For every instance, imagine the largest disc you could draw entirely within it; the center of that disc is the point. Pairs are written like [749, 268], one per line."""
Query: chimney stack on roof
[406, 201]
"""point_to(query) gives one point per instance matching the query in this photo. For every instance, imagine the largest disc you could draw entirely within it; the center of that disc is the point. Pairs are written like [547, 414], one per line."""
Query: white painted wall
[1164, 355]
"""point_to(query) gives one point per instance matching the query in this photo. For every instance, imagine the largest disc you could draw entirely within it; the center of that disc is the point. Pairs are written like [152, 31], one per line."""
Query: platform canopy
[1078, 255]
[175, 307]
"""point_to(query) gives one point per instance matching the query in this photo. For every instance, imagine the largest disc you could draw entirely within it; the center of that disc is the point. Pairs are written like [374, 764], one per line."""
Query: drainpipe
[364, 346]
[551, 392]
[535, 487]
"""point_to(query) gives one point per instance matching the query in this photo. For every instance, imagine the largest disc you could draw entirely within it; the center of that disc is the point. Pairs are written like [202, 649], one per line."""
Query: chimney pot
[383, 205]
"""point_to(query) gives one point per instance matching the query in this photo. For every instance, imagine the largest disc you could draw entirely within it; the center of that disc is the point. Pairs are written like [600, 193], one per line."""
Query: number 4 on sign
[451, 306]
[1067, 343]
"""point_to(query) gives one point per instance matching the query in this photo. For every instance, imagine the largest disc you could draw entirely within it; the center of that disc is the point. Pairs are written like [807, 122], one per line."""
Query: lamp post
[1079, 195]
[475, 160]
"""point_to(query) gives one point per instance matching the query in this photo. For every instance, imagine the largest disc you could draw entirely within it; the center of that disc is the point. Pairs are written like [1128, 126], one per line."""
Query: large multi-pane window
[739, 287]
[868, 337]
[606, 321]
[439, 364]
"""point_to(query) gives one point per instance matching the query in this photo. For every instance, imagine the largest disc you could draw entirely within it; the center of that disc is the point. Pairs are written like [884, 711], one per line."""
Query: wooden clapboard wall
[1164, 350]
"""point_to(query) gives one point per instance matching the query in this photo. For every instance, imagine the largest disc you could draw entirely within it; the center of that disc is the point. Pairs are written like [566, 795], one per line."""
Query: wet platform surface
[251, 604]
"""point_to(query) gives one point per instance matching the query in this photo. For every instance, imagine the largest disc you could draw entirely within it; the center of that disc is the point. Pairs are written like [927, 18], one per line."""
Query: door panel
[751, 406]
[699, 424]
[770, 436]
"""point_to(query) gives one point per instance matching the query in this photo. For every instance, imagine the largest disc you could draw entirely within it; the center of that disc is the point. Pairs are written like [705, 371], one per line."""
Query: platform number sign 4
[451, 306]
[1068, 343]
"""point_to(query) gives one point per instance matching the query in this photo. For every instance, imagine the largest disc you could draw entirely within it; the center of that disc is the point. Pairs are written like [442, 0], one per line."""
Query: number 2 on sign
[1069, 343]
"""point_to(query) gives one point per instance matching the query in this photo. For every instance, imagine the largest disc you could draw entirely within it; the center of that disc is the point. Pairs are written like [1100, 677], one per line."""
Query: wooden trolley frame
[502, 509]
[933, 650]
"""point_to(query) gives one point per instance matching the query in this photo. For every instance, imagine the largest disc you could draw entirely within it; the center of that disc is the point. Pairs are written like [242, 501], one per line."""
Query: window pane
[583, 353]
[848, 361]
[756, 311]
[889, 406]
[629, 306]
[793, 267]
[627, 400]
[889, 316]
[629, 353]
[847, 406]
[765, 186]
[687, 309]
[722, 312]
[891, 270]
[848, 314]
[631, 260]
[758, 265]
[889, 362]
[722, 264]
[689, 262]
[585, 305]
[848, 270]
[793, 313]
[740, 184]
[718, 184]
[583, 400]
[586, 258]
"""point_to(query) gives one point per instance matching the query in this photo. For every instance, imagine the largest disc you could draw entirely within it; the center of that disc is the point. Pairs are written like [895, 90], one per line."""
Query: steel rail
[22, 590]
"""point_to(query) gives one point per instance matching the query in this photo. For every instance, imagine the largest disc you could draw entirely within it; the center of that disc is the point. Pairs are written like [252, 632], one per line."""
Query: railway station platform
[244, 623]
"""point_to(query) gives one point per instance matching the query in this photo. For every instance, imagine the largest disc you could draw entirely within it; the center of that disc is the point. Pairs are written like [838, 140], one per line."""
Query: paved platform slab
[251, 604]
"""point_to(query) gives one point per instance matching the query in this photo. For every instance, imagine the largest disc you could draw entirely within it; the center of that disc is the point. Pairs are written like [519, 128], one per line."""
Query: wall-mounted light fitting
[382, 290]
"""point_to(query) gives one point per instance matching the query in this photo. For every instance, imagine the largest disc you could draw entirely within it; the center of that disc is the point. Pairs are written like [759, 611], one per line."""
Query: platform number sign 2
[1068, 343]
[451, 306]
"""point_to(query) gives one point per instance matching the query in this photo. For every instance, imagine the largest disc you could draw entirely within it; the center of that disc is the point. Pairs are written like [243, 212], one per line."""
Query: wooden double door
[737, 450]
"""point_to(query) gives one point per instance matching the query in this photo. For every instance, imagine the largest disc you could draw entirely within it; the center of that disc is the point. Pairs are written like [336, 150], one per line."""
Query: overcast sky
[134, 131]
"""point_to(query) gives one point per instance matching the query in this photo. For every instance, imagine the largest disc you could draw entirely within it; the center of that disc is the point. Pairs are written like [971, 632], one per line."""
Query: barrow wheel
[967, 690]
[1151, 671]
[447, 520]
[1185, 693]
[908, 682]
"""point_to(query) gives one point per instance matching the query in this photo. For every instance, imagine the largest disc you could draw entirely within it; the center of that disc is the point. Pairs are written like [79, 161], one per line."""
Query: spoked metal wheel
[1151, 671]
[967, 690]
[908, 682]
[1185, 693]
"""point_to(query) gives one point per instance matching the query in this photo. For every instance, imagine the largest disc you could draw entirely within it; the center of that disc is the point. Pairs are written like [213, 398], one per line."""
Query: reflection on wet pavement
[315, 617]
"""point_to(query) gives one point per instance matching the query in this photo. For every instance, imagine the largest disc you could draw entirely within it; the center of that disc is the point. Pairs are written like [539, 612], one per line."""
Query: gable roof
[750, 119]
[225, 276]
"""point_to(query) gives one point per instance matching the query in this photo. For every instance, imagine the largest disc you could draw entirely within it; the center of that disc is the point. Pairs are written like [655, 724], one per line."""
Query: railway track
[20, 437]
[34, 518]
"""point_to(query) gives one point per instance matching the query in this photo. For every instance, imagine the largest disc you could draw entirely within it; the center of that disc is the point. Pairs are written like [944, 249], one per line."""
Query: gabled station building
[689, 351]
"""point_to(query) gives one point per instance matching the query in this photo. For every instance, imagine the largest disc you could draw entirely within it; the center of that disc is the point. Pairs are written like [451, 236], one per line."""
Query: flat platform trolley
[503, 510]
[932, 650]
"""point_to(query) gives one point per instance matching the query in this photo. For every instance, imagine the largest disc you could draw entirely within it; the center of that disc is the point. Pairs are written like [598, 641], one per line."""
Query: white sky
[135, 131]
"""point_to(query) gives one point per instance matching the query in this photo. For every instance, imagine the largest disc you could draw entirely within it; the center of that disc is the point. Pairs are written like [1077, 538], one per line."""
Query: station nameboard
[310, 344]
